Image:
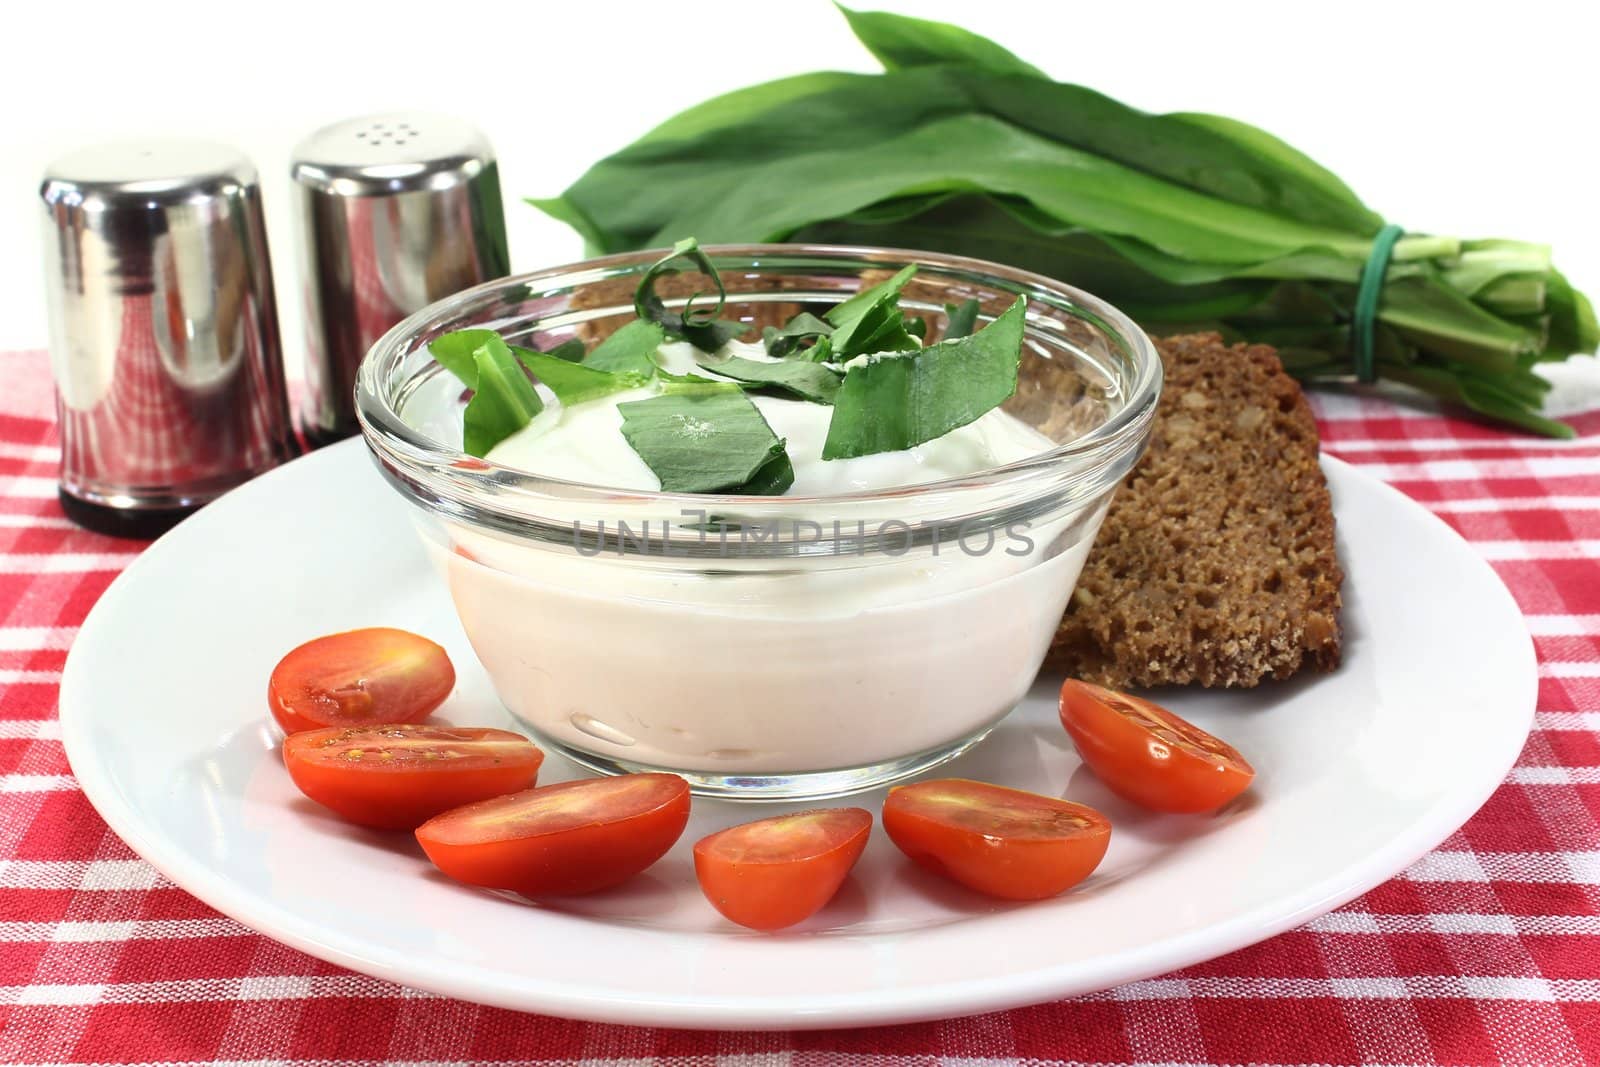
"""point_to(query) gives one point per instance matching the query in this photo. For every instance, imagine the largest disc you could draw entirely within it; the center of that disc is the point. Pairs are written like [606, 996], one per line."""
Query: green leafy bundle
[1184, 220]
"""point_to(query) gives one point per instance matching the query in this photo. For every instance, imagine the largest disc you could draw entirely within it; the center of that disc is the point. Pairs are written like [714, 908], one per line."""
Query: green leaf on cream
[629, 350]
[871, 321]
[773, 478]
[803, 327]
[707, 437]
[808, 381]
[960, 319]
[573, 383]
[572, 351]
[504, 401]
[454, 352]
[893, 402]
[699, 326]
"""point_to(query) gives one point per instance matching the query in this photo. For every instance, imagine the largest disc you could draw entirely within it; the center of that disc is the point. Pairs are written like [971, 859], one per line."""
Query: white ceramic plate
[1360, 772]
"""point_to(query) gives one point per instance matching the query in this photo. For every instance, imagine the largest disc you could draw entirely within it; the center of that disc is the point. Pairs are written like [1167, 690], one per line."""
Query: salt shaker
[163, 331]
[396, 211]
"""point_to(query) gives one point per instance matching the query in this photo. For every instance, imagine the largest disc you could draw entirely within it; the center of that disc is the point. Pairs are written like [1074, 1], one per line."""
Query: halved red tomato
[572, 837]
[775, 872]
[1004, 842]
[400, 775]
[1146, 754]
[359, 678]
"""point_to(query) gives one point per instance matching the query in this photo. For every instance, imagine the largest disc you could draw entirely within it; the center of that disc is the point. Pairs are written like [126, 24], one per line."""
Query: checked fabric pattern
[1487, 951]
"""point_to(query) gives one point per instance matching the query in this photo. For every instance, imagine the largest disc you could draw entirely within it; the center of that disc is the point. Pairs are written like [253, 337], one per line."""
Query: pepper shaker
[396, 211]
[163, 332]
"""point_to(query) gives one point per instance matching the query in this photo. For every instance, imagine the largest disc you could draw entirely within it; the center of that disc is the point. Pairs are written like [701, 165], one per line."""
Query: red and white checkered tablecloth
[1487, 951]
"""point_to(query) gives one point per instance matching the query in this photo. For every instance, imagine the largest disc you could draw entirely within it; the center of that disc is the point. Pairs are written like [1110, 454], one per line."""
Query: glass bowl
[766, 647]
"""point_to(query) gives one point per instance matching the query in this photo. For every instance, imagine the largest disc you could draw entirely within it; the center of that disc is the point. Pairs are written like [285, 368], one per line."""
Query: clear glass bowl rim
[418, 462]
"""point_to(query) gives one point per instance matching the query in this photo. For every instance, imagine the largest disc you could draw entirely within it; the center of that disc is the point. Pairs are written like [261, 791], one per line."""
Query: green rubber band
[1368, 294]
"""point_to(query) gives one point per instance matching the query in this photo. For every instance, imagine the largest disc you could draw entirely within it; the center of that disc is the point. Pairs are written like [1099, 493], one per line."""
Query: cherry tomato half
[400, 775]
[775, 872]
[572, 837]
[1146, 754]
[359, 678]
[1003, 842]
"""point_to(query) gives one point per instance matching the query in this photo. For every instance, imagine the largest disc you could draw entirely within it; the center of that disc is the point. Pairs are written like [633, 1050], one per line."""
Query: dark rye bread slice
[1215, 564]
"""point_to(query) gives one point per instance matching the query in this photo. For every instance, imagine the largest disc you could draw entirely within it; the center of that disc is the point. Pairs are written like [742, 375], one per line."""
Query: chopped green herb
[671, 380]
[960, 319]
[821, 352]
[707, 438]
[503, 403]
[773, 479]
[803, 327]
[453, 352]
[573, 383]
[890, 335]
[858, 305]
[871, 321]
[572, 351]
[630, 350]
[895, 402]
[700, 327]
[808, 381]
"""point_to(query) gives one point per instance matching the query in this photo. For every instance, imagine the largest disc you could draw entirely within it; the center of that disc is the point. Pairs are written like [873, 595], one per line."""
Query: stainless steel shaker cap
[145, 174]
[396, 211]
[163, 332]
[391, 153]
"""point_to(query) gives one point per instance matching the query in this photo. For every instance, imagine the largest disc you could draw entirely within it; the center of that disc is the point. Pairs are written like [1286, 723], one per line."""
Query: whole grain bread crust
[1215, 564]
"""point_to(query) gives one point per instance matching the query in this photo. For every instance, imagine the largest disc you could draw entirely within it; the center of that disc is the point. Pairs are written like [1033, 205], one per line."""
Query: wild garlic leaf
[706, 438]
[854, 308]
[630, 350]
[672, 381]
[889, 333]
[573, 383]
[711, 336]
[454, 352]
[960, 319]
[504, 401]
[900, 41]
[871, 321]
[1244, 161]
[1180, 218]
[699, 326]
[572, 351]
[774, 477]
[895, 402]
[808, 381]
[803, 327]
[821, 352]
[1077, 156]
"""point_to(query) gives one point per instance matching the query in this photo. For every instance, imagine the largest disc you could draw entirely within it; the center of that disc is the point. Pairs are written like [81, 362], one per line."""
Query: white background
[1450, 118]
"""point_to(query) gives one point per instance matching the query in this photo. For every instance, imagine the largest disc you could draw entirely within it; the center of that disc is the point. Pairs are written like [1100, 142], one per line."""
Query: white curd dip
[774, 666]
